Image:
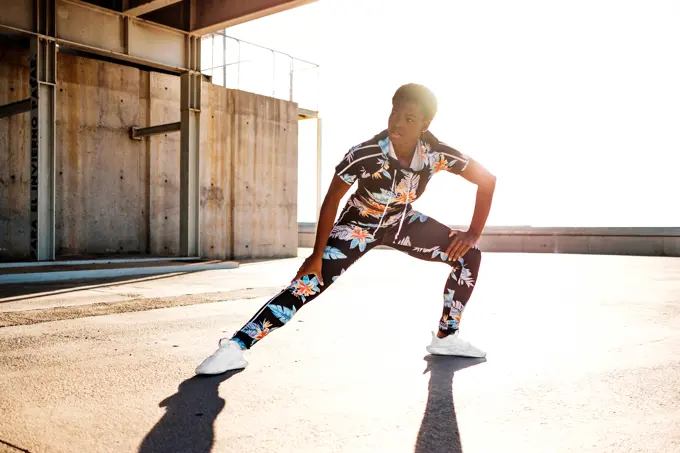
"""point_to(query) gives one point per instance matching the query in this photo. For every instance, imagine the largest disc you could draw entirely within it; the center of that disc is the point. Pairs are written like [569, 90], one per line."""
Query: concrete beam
[212, 15]
[18, 13]
[146, 6]
[86, 24]
[305, 114]
[105, 32]
[98, 30]
[15, 108]
[138, 133]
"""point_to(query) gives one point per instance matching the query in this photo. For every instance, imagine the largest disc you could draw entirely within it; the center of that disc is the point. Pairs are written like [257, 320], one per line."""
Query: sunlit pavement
[583, 356]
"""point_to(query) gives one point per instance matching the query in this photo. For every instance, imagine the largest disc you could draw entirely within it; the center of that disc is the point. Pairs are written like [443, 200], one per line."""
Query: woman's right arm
[329, 209]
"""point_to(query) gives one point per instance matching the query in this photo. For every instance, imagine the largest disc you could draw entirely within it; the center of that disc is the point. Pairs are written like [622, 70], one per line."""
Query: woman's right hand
[311, 266]
[329, 209]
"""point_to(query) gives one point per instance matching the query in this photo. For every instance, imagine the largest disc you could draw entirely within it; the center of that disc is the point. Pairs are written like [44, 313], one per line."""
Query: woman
[392, 170]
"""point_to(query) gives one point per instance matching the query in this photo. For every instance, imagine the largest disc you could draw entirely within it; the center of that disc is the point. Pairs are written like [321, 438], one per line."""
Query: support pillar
[189, 198]
[43, 78]
[318, 168]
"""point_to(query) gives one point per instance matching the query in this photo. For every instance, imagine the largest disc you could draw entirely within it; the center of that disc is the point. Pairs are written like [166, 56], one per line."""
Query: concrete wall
[218, 128]
[14, 158]
[115, 195]
[101, 175]
[248, 175]
[163, 154]
[603, 241]
[264, 181]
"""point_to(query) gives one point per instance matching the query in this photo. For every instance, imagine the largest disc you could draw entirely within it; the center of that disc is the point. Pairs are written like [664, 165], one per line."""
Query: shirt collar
[417, 163]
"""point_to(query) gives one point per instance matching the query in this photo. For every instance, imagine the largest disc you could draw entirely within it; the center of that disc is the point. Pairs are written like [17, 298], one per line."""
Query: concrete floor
[583, 356]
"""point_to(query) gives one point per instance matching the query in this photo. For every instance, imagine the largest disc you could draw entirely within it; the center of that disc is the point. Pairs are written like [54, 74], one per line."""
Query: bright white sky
[574, 105]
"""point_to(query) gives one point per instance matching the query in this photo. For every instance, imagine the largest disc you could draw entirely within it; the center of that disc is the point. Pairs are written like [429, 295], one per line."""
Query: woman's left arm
[486, 185]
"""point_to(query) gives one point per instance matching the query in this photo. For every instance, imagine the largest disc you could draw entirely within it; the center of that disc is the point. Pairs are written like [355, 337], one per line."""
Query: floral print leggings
[421, 237]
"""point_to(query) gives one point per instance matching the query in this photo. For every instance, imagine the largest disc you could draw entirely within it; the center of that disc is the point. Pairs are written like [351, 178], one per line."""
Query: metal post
[189, 199]
[224, 61]
[292, 68]
[273, 74]
[238, 67]
[126, 34]
[318, 167]
[212, 55]
[43, 78]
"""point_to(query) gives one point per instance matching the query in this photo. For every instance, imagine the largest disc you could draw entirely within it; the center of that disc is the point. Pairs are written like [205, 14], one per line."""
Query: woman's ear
[426, 125]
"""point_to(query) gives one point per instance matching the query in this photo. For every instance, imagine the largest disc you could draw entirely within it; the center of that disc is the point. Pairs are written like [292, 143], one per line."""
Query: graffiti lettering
[35, 147]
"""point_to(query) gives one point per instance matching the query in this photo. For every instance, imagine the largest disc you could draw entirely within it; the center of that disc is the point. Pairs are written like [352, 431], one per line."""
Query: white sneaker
[453, 345]
[229, 356]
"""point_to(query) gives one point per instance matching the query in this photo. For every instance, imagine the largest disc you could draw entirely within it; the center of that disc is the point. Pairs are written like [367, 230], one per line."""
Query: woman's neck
[405, 150]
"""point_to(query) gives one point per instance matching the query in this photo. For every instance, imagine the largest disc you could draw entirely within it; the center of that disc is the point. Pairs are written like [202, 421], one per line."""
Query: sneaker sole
[443, 351]
[239, 366]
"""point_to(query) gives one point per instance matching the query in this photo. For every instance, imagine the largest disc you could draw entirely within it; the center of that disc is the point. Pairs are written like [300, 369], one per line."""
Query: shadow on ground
[13, 292]
[188, 423]
[4, 446]
[439, 428]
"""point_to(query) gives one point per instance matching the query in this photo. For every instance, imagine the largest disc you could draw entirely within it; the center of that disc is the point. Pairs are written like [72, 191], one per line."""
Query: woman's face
[406, 124]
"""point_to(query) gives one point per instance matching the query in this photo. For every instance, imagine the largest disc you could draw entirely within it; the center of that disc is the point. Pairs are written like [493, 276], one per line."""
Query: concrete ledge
[38, 277]
[647, 241]
[19, 264]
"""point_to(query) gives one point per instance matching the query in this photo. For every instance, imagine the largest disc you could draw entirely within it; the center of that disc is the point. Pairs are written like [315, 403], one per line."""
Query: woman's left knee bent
[473, 255]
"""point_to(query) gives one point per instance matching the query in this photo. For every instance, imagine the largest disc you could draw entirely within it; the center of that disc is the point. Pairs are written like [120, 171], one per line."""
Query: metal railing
[238, 64]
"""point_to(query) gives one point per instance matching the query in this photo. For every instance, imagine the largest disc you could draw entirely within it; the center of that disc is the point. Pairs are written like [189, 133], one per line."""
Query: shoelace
[394, 179]
[403, 214]
[401, 222]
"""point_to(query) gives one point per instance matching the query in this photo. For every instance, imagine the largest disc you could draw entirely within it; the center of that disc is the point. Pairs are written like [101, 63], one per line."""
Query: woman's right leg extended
[348, 242]
[343, 248]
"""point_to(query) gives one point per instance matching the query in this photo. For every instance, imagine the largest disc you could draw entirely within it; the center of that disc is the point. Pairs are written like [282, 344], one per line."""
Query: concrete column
[189, 198]
[43, 78]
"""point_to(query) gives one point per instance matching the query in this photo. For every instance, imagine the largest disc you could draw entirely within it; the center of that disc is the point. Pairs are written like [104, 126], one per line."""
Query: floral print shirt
[386, 188]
